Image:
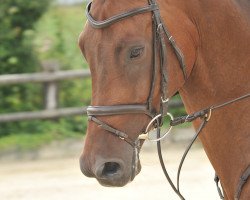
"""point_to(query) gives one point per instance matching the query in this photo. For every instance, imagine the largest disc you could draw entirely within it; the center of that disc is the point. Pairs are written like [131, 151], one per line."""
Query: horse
[140, 54]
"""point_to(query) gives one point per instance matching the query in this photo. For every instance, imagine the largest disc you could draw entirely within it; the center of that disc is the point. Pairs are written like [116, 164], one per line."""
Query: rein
[205, 115]
[160, 31]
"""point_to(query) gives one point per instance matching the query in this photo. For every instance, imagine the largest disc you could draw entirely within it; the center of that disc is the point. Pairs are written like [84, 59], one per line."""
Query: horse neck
[221, 73]
[221, 68]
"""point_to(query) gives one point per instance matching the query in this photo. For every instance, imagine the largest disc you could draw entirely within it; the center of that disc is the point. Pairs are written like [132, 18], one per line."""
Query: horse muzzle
[109, 173]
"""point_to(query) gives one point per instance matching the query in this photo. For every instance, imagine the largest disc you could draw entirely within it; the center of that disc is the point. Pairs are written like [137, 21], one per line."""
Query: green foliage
[177, 111]
[51, 37]
[57, 36]
[17, 30]
[17, 55]
[43, 133]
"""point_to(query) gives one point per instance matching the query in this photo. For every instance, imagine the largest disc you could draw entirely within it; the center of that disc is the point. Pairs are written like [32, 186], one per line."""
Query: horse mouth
[86, 172]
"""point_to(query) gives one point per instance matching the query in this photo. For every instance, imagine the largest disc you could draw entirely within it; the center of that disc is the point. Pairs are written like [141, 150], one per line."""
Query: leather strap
[217, 180]
[117, 18]
[242, 181]
[177, 51]
[135, 144]
[189, 118]
[207, 111]
[112, 130]
[206, 115]
[118, 110]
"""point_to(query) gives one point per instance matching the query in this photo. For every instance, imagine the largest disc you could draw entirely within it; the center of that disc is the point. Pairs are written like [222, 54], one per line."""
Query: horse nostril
[111, 168]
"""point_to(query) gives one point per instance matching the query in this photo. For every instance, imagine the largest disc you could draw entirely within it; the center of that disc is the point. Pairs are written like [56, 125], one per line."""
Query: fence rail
[50, 80]
[44, 114]
[43, 77]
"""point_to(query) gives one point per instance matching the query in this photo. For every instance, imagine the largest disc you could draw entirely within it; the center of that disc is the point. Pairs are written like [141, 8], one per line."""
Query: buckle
[164, 107]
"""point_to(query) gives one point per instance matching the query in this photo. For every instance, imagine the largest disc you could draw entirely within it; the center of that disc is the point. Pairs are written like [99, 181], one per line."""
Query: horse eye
[136, 52]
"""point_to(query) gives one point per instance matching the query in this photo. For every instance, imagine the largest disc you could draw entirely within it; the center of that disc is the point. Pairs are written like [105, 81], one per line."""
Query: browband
[116, 18]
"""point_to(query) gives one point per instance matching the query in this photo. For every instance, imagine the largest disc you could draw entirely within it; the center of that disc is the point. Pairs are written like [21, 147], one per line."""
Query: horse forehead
[124, 29]
[106, 41]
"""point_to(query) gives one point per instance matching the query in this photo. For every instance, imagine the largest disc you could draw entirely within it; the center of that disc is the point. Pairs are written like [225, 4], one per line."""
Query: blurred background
[38, 42]
[44, 88]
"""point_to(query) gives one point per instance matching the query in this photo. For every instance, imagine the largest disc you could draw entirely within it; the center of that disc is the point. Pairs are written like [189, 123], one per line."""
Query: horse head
[136, 66]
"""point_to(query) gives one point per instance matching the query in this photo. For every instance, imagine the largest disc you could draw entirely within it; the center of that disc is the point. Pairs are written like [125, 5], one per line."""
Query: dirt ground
[56, 174]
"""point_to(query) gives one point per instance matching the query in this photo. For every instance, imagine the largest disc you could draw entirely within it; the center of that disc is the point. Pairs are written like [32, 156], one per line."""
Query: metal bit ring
[146, 135]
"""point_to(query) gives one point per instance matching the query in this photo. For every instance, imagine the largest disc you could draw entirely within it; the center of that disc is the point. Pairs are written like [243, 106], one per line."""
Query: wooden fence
[49, 78]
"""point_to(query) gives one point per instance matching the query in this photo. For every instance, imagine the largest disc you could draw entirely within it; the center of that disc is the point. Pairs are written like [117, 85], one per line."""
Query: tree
[17, 20]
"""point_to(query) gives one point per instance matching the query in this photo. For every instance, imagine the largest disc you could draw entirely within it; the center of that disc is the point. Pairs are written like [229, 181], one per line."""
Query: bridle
[160, 32]
[159, 29]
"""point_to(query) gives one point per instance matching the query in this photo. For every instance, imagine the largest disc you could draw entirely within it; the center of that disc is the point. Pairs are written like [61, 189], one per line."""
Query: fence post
[50, 88]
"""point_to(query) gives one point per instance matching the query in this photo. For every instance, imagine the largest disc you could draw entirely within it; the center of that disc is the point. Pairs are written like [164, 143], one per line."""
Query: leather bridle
[160, 33]
[158, 45]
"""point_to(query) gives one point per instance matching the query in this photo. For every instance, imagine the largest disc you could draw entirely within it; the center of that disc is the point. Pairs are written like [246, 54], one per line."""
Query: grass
[43, 133]
[25, 141]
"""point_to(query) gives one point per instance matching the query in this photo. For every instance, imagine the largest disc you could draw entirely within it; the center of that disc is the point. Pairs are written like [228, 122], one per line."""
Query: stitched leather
[118, 110]
[117, 18]
[242, 181]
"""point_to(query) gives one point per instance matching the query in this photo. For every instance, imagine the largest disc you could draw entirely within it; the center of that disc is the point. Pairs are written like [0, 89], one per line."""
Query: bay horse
[140, 54]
